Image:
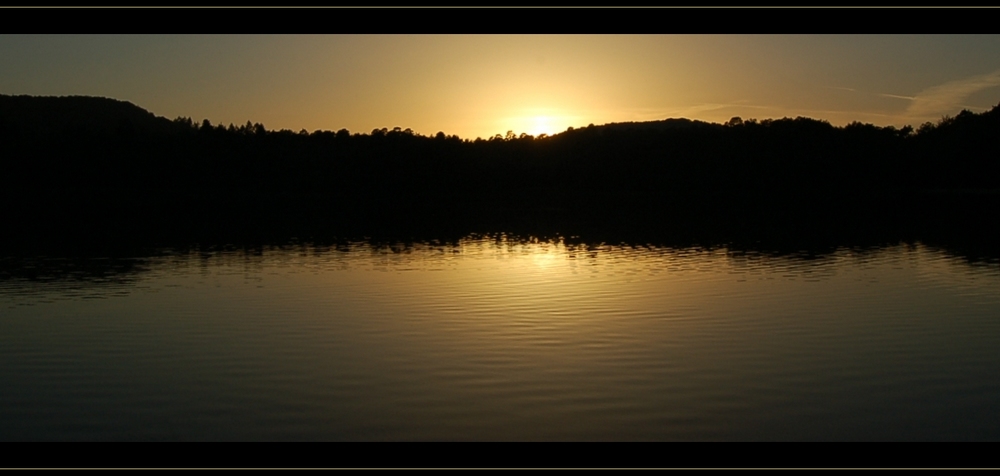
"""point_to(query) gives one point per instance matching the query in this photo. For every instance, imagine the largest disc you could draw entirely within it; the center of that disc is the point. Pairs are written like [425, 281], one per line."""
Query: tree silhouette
[104, 168]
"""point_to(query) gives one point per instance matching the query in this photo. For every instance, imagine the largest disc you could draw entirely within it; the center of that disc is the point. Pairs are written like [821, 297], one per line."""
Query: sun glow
[541, 125]
[539, 122]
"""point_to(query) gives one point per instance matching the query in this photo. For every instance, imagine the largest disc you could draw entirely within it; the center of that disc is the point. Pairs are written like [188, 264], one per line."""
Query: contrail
[910, 98]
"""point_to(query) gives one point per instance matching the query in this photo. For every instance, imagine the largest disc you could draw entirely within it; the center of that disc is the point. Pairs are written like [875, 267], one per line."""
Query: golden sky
[481, 85]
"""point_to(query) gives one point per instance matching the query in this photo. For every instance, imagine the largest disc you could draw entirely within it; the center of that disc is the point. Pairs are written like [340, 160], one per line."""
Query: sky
[482, 85]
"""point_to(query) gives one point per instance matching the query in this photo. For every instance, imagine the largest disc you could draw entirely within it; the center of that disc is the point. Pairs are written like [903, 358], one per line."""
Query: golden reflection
[545, 258]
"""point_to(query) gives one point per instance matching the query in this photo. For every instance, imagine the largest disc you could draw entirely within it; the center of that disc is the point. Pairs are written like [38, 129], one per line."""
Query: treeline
[95, 167]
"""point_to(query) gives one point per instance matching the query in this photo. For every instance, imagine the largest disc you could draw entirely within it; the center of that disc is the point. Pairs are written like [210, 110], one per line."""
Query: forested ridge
[97, 168]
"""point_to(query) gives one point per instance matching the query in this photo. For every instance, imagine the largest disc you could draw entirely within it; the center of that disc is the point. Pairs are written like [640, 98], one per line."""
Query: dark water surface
[495, 339]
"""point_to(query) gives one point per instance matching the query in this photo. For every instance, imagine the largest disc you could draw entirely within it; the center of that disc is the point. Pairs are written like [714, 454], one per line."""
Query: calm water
[499, 340]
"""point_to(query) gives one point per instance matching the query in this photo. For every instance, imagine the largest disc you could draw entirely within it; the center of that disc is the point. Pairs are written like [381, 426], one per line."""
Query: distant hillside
[81, 166]
[95, 114]
[661, 125]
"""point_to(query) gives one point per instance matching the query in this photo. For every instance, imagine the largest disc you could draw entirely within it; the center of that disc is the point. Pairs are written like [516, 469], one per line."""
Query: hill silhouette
[96, 169]
[52, 115]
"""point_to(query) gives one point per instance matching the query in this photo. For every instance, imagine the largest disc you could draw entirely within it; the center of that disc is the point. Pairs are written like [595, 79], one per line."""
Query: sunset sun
[539, 125]
[540, 121]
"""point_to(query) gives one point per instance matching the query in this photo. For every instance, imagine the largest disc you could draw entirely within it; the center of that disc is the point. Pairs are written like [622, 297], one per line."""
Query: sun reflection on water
[494, 337]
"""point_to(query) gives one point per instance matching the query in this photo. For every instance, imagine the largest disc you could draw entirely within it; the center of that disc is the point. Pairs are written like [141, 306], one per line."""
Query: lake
[497, 338]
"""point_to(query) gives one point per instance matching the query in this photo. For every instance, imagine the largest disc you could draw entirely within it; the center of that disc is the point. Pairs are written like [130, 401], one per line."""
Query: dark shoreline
[95, 173]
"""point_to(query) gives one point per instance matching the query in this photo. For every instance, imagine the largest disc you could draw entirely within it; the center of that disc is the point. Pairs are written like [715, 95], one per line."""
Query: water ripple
[495, 338]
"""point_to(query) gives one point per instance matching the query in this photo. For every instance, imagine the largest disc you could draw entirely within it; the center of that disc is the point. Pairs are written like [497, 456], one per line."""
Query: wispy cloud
[842, 88]
[948, 98]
